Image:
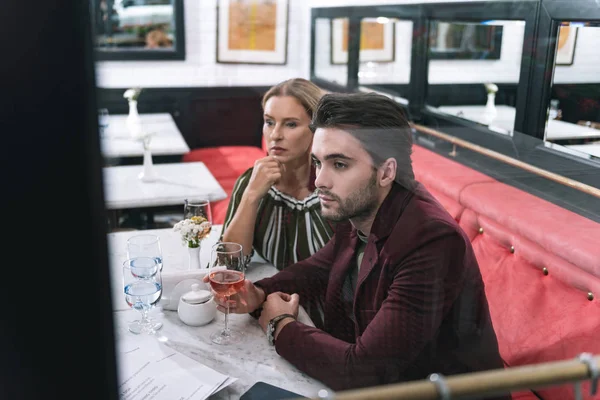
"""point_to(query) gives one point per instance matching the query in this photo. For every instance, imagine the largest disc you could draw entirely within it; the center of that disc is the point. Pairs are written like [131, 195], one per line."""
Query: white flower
[491, 87]
[193, 230]
[132, 94]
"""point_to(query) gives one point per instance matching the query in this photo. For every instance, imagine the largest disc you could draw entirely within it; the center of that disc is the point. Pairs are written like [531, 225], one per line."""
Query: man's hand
[247, 300]
[266, 173]
[279, 303]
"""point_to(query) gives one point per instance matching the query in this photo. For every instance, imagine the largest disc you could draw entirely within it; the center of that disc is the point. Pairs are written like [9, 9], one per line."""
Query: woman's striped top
[287, 230]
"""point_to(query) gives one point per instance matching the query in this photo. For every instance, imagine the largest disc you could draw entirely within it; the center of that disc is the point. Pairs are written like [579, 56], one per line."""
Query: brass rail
[511, 161]
[481, 384]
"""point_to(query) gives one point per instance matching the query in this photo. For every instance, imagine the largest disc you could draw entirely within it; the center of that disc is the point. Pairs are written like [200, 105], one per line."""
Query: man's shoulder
[424, 219]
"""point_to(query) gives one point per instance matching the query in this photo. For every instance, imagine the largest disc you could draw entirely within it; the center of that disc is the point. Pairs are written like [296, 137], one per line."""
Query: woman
[277, 196]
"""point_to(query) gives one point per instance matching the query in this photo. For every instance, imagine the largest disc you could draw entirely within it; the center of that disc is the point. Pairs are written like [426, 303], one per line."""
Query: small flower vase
[134, 123]
[194, 258]
[490, 108]
[148, 174]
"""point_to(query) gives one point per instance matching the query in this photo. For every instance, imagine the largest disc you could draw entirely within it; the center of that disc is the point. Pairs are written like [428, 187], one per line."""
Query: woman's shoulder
[244, 178]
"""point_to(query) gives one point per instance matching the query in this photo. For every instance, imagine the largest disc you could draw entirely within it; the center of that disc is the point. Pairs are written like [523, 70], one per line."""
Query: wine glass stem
[226, 329]
[145, 319]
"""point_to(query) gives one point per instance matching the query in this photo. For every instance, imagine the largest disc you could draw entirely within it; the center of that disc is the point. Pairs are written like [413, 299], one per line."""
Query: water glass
[145, 245]
[142, 286]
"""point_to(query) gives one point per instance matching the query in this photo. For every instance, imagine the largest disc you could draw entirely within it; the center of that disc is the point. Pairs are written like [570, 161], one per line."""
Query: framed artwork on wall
[252, 31]
[138, 30]
[377, 40]
[565, 48]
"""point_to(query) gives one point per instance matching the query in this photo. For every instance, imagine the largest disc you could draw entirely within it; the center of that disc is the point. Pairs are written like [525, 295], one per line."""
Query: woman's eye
[269, 122]
[291, 125]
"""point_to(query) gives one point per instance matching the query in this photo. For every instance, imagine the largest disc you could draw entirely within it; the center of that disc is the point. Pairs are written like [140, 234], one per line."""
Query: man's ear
[387, 172]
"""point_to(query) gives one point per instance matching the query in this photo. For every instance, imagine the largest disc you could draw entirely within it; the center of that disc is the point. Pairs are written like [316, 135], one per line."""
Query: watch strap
[272, 327]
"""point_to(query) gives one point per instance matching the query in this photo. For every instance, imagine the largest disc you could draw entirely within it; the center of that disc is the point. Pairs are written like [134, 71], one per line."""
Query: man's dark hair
[377, 121]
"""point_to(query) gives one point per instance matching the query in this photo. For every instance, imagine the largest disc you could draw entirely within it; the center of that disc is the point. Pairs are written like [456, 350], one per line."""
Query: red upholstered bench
[540, 264]
[226, 163]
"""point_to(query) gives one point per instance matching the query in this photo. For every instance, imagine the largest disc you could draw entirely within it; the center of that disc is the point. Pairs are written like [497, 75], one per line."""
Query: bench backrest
[540, 264]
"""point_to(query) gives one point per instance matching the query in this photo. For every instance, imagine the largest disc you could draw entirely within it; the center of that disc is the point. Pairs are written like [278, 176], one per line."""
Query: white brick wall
[586, 59]
[504, 70]
[200, 67]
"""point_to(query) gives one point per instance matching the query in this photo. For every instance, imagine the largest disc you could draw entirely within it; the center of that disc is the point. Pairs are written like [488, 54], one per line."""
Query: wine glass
[197, 209]
[226, 277]
[142, 285]
[145, 245]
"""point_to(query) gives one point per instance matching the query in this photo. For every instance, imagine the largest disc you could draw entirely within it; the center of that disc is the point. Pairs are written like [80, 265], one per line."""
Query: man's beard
[360, 204]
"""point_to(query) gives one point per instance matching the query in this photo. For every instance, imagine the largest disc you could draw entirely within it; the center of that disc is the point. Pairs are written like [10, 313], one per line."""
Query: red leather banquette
[540, 262]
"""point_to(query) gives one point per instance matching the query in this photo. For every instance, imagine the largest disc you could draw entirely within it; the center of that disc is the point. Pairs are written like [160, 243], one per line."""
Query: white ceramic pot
[196, 307]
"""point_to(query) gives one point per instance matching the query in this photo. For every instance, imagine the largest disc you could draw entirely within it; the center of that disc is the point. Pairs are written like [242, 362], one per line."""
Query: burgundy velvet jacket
[419, 304]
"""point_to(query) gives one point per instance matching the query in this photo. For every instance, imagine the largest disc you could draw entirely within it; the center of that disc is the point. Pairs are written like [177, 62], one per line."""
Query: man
[403, 294]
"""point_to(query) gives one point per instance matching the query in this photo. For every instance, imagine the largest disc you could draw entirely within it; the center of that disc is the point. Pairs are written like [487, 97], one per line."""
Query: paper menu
[150, 370]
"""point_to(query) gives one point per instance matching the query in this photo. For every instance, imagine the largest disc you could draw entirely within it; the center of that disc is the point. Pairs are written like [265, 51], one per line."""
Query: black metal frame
[542, 18]
[379, 61]
[552, 13]
[178, 52]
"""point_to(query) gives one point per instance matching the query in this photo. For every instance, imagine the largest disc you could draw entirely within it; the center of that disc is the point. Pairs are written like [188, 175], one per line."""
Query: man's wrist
[281, 324]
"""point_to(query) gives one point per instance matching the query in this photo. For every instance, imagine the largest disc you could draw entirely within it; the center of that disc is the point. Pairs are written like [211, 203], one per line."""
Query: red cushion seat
[539, 262]
[226, 163]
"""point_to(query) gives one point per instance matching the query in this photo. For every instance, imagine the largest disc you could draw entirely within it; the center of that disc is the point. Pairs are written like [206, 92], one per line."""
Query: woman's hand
[266, 173]
[247, 300]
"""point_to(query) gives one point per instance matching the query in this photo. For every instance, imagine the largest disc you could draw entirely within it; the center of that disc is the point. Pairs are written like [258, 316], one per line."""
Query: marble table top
[250, 361]
[505, 120]
[166, 138]
[176, 182]
[591, 148]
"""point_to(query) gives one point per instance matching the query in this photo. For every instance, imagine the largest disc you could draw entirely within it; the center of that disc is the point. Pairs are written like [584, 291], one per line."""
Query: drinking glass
[102, 120]
[226, 277]
[145, 245]
[142, 285]
[197, 209]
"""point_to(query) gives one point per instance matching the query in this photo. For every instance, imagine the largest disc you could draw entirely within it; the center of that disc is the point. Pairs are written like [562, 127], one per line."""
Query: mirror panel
[474, 71]
[573, 115]
[385, 55]
[138, 29]
[331, 50]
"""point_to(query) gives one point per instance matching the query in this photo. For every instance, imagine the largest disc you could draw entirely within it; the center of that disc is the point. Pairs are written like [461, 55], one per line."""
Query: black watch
[273, 325]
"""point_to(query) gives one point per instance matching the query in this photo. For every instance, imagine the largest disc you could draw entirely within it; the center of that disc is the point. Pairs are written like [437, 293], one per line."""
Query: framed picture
[377, 41]
[565, 49]
[252, 31]
[464, 41]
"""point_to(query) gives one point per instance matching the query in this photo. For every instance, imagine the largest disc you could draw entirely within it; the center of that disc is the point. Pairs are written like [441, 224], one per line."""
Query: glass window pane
[385, 55]
[331, 50]
[474, 70]
[573, 119]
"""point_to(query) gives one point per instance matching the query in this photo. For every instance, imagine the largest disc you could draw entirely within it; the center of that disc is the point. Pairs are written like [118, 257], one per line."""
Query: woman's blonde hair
[307, 93]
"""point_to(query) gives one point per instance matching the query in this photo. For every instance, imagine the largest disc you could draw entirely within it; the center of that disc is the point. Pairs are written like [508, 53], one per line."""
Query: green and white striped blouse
[287, 230]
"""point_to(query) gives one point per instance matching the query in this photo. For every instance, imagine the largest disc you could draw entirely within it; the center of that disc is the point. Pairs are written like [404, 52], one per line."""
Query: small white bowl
[196, 308]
